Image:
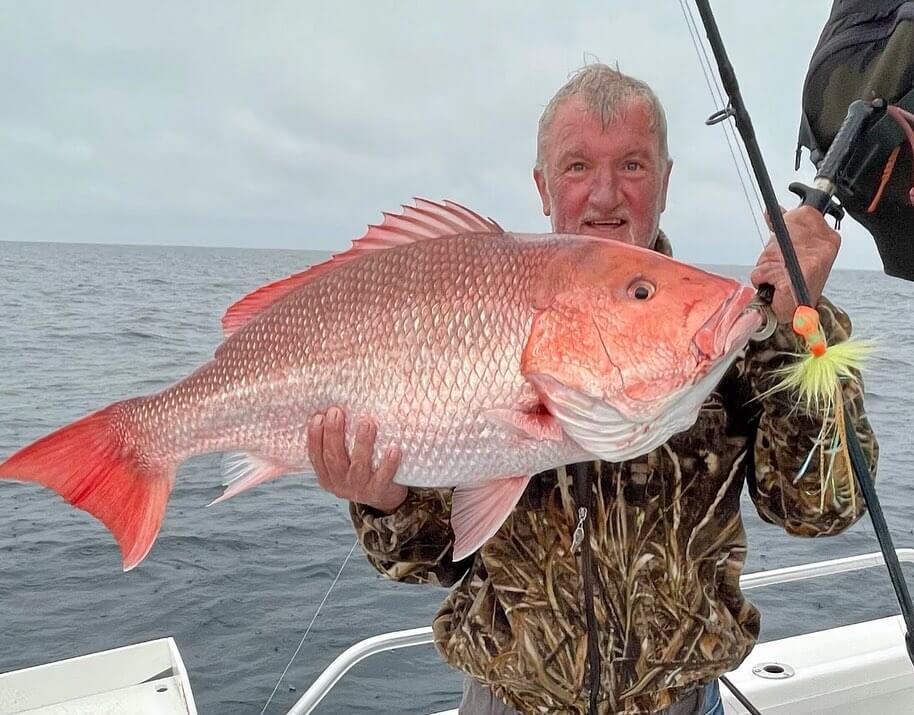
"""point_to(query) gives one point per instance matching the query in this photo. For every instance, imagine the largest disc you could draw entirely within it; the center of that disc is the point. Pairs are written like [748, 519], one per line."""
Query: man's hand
[352, 478]
[816, 245]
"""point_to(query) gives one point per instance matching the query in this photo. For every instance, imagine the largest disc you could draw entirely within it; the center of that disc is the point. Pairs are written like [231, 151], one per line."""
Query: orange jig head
[806, 325]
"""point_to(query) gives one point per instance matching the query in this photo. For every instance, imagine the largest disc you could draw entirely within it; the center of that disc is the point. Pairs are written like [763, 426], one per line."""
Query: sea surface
[237, 584]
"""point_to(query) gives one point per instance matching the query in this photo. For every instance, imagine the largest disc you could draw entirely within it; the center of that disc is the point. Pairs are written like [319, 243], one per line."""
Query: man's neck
[662, 244]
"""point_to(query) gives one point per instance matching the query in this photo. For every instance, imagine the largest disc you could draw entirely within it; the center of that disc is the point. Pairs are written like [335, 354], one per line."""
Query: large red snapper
[486, 356]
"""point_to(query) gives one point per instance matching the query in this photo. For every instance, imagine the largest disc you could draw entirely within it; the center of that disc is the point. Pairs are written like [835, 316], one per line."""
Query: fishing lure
[816, 379]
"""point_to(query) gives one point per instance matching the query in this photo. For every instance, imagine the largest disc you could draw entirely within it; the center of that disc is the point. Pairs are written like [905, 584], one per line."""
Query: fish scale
[354, 338]
[484, 356]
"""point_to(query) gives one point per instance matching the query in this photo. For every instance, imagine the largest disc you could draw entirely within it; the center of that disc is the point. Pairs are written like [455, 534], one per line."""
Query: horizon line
[876, 269]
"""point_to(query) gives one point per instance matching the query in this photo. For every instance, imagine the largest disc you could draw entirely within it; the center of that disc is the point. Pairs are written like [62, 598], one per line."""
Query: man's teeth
[614, 222]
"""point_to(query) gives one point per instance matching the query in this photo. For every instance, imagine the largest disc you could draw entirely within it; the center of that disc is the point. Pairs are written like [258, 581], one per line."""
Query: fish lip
[739, 318]
[746, 324]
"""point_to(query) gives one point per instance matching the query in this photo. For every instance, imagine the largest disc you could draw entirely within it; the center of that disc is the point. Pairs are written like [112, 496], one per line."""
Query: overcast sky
[294, 124]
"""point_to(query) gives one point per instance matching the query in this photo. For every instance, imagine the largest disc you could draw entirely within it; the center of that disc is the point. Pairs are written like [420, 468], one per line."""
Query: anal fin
[478, 511]
[243, 471]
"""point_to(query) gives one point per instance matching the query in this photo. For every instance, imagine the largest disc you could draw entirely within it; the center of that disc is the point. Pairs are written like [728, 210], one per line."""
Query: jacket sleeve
[413, 544]
[788, 487]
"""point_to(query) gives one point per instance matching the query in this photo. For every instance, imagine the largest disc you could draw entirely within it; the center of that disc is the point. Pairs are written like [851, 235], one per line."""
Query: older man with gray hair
[667, 536]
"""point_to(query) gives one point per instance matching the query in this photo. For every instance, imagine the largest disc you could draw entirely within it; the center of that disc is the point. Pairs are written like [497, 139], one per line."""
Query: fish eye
[641, 289]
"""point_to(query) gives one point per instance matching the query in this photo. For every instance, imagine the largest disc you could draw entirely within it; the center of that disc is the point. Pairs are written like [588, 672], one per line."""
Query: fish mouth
[729, 328]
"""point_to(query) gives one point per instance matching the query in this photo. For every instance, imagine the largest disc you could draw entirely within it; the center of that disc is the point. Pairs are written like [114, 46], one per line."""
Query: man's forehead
[576, 109]
[575, 122]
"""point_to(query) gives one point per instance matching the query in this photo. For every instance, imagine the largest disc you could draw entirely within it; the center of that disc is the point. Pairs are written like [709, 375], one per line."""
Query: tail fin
[95, 464]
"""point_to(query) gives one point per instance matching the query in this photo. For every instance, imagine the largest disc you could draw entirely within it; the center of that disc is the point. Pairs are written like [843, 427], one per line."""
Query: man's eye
[633, 165]
[576, 166]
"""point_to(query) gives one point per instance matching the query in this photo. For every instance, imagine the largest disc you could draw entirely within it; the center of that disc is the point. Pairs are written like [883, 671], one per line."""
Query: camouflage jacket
[668, 550]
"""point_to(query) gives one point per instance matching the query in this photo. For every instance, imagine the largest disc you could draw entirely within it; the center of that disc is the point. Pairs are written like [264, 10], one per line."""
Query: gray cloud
[293, 125]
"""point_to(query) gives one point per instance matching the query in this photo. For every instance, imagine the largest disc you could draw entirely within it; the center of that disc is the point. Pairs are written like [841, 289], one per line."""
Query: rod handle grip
[818, 199]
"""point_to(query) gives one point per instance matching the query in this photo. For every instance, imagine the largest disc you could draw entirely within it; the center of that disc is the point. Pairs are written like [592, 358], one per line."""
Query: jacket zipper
[583, 497]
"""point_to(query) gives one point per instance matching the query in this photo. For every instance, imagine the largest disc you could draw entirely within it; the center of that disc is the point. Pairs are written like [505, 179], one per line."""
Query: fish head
[626, 344]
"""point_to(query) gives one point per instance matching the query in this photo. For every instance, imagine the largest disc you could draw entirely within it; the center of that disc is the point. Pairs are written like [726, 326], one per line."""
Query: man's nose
[605, 189]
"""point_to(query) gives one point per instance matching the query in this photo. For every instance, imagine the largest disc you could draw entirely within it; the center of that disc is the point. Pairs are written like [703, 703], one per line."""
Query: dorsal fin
[427, 219]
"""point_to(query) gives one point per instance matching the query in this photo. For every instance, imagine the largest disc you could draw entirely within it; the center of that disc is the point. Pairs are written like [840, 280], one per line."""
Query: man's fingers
[815, 245]
[335, 455]
[316, 449]
[351, 477]
[387, 469]
[769, 257]
[767, 272]
[768, 218]
[362, 450]
[774, 274]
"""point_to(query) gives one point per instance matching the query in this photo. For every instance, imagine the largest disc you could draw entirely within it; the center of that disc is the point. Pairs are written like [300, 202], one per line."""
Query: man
[669, 544]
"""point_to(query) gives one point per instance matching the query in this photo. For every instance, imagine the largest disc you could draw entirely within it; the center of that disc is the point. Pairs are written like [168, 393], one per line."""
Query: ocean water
[237, 584]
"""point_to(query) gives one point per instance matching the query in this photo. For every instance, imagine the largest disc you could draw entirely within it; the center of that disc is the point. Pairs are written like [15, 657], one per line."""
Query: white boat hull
[143, 679]
[860, 669]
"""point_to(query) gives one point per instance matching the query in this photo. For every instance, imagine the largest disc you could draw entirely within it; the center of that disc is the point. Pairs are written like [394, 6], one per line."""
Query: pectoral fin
[595, 425]
[538, 425]
[478, 511]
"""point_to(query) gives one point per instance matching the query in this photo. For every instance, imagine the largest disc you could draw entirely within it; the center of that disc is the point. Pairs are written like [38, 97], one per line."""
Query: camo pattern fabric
[668, 550]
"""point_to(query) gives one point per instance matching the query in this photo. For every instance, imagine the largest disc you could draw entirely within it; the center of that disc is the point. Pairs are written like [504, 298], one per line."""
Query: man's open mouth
[605, 224]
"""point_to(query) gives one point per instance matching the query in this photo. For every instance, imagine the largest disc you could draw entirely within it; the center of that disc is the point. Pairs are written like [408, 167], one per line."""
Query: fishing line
[801, 292]
[717, 99]
[308, 630]
[730, 132]
[743, 171]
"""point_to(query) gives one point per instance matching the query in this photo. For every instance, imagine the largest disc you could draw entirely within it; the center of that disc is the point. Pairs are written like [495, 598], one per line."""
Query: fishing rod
[820, 196]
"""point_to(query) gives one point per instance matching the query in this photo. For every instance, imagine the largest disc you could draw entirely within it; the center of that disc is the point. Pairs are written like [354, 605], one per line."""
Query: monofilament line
[308, 630]
[717, 98]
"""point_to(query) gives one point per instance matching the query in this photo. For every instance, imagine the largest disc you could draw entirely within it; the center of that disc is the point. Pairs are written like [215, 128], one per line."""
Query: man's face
[608, 183]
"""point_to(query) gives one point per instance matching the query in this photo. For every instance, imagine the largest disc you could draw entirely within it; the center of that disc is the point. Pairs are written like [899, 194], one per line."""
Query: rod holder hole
[773, 671]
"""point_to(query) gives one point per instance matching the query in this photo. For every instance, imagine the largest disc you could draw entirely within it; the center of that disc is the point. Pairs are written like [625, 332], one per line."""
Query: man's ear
[540, 180]
[666, 184]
